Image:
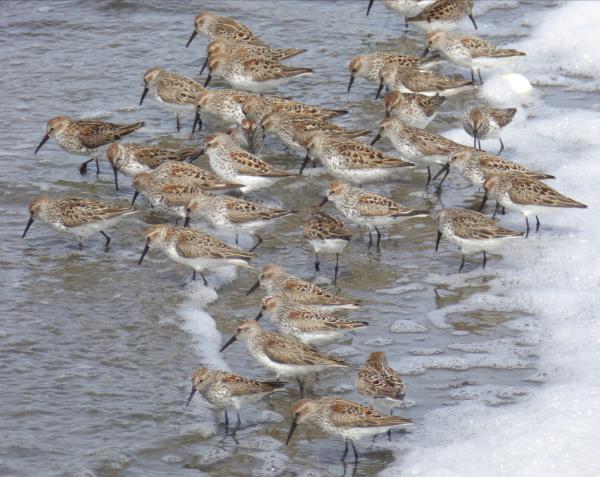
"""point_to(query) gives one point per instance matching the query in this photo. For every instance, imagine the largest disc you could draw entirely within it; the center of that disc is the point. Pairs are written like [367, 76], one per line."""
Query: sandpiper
[233, 164]
[188, 174]
[404, 7]
[76, 216]
[415, 110]
[305, 323]
[249, 73]
[417, 144]
[471, 231]
[468, 51]
[224, 105]
[194, 249]
[85, 137]
[131, 159]
[412, 80]
[526, 195]
[487, 122]
[232, 213]
[443, 14]
[326, 234]
[367, 208]
[283, 355]
[369, 65]
[226, 28]
[295, 130]
[343, 418]
[475, 165]
[277, 282]
[176, 92]
[352, 160]
[227, 391]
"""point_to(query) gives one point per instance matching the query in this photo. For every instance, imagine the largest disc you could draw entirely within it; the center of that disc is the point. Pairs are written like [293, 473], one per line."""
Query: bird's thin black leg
[437, 241]
[355, 453]
[484, 259]
[259, 241]
[501, 146]
[527, 223]
[378, 236]
[203, 279]
[194, 275]
[428, 174]
[345, 451]
[462, 262]
[301, 386]
[496, 210]
[239, 421]
[484, 200]
[537, 223]
[177, 121]
[337, 263]
[107, 240]
[226, 423]
[317, 264]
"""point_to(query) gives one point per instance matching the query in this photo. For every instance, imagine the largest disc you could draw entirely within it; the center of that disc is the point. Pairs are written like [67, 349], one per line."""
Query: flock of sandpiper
[302, 312]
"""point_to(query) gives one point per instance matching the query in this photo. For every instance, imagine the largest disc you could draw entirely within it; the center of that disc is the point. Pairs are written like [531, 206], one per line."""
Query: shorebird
[176, 92]
[380, 383]
[234, 164]
[249, 73]
[85, 137]
[305, 323]
[326, 234]
[468, 51]
[417, 144]
[76, 216]
[443, 14]
[404, 7]
[367, 208]
[277, 282]
[131, 159]
[369, 65]
[232, 213]
[179, 173]
[343, 418]
[487, 122]
[414, 110]
[225, 28]
[194, 249]
[412, 80]
[225, 105]
[227, 391]
[351, 160]
[471, 231]
[285, 356]
[526, 195]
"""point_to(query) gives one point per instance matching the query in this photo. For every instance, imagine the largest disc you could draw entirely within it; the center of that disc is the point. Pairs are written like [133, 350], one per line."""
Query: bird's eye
[239, 330]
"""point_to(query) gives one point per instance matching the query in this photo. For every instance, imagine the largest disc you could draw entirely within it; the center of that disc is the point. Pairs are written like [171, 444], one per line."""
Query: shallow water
[96, 351]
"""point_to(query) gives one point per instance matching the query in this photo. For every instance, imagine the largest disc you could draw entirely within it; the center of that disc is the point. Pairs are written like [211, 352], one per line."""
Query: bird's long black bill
[306, 159]
[291, 433]
[376, 138]
[144, 252]
[425, 53]
[42, 142]
[473, 21]
[350, 83]
[259, 316]
[253, 287]
[116, 172]
[208, 78]
[381, 85]
[144, 94]
[204, 66]
[369, 7]
[437, 241]
[193, 391]
[323, 201]
[135, 195]
[192, 36]
[444, 168]
[29, 222]
[229, 341]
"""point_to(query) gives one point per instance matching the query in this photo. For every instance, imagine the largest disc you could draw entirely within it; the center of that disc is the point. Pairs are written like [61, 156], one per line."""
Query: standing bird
[85, 137]
[443, 14]
[76, 216]
[344, 418]
[285, 356]
[487, 122]
[233, 213]
[380, 383]
[305, 323]
[526, 195]
[194, 249]
[176, 92]
[468, 51]
[326, 234]
[250, 73]
[277, 282]
[404, 7]
[414, 110]
[412, 80]
[471, 231]
[367, 208]
[131, 159]
[222, 28]
[228, 391]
